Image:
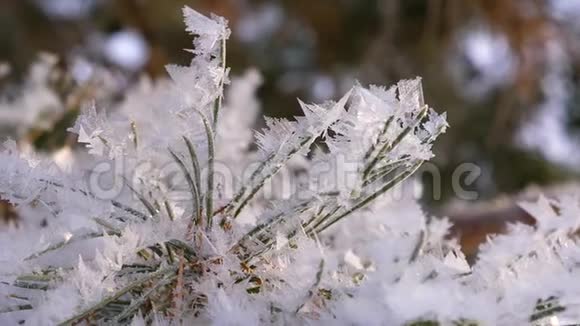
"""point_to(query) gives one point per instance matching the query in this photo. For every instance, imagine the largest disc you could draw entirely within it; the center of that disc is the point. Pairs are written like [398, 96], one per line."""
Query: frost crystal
[178, 219]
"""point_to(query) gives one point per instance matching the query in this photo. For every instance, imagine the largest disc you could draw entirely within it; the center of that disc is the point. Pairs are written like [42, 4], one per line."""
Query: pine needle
[132, 286]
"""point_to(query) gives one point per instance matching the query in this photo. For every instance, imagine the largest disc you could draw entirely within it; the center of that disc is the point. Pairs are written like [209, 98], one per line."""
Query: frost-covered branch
[199, 233]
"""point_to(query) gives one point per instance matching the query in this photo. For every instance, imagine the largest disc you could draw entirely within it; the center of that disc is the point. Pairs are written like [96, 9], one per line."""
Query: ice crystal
[179, 219]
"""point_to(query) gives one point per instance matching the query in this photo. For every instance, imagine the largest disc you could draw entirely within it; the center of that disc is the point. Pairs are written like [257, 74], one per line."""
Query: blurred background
[506, 71]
